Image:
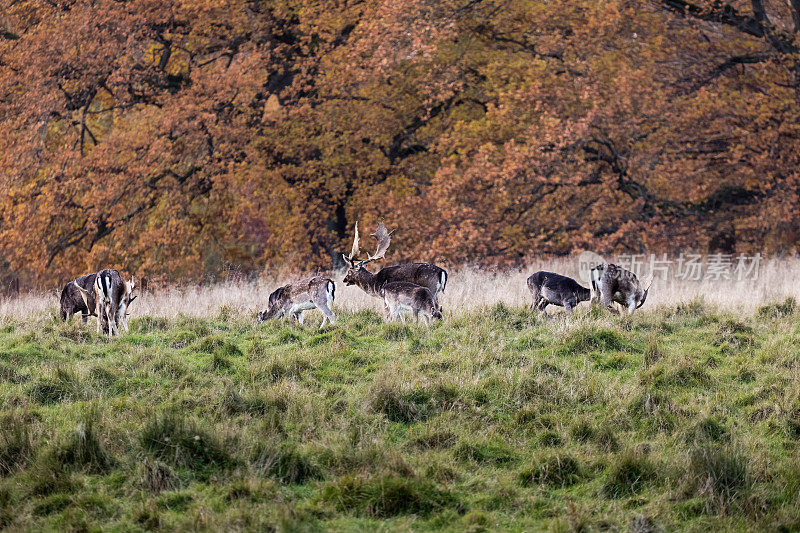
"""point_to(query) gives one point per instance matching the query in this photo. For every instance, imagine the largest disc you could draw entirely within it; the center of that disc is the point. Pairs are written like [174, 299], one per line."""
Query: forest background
[179, 139]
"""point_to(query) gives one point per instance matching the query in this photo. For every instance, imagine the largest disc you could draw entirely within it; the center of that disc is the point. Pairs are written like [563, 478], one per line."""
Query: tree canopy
[175, 138]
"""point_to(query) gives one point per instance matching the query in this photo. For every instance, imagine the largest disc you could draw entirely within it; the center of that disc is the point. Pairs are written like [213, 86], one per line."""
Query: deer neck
[366, 280]
[584, 295]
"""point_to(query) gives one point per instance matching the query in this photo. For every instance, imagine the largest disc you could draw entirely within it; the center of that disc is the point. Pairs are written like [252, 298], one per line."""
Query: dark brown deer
[614, 284]
[74, 301]
[296, 298]
[423, 274]
[401, 296]
[551, 288]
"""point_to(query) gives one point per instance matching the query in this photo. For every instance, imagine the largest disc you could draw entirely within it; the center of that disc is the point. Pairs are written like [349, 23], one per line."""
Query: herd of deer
[408, 287]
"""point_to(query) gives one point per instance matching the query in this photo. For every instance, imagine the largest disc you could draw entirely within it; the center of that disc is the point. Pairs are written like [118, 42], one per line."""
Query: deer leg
[542, 304]
[605, 300]
[327, 314]
[106, 314]
[112, 322]
[536, 299]
[631, 305]
[121, 312]
[99, 317]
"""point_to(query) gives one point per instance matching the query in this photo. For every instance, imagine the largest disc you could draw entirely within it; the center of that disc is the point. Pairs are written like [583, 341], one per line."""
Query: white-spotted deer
[423, 274]
[296, 298]
[112, 296]
[399, 296]
[614, 284]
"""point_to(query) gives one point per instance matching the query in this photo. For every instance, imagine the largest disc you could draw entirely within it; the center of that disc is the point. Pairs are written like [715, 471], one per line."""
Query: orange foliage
[176, 138]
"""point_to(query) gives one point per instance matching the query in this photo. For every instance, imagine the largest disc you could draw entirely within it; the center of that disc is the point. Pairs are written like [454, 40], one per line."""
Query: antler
[355, 251]
[383, 237]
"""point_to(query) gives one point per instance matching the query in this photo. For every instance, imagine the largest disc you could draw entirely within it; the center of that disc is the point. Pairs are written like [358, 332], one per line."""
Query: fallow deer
[401, 296]
[73, 301]
[423, 274]
[112, 296]
[296, 298]
[551, 288]
[614, 284]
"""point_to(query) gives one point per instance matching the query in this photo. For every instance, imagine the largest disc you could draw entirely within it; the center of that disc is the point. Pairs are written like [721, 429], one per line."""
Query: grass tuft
[629, 473]
[403, 402]
[286, 462]
[180, 442]
[82, 449]
[778, 310]
[16, 445]
[721, 475]
[386, 496]
[561, 470]
[62, 386]
[156, 476]
[590, 339]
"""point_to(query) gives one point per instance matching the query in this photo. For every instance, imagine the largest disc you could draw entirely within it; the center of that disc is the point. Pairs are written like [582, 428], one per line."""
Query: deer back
[423, 274]
[72, 300]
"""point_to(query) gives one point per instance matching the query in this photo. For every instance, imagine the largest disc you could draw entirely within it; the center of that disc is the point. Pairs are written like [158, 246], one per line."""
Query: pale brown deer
[613, 284]
[423, 274]
[112, 296]
[399, 296]
[296, 298]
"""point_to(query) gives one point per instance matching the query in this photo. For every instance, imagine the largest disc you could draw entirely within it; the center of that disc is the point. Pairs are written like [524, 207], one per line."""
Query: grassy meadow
[685, 416]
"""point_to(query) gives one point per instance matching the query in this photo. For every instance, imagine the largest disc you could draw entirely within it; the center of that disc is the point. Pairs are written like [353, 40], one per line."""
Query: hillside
[684, 417]
[179, 139]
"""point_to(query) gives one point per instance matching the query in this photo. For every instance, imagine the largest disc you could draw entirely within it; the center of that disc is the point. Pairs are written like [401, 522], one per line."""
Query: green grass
[675, 419]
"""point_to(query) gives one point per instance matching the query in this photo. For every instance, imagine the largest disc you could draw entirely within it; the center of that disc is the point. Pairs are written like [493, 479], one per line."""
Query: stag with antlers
[423, 274]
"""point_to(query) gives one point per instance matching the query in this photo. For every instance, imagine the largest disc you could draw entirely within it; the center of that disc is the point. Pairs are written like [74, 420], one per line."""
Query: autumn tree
[177, 138]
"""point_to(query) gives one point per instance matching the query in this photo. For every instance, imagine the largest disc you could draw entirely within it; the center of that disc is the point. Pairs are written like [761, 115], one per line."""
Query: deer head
[129, 286]
[354, 264]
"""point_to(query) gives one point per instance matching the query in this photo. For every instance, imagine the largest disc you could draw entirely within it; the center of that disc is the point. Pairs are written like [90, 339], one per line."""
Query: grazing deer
[73, 300]
[551, 288]
[112, 296]
[404, 296]
[296, 298]
[423, 274]
[614, 284]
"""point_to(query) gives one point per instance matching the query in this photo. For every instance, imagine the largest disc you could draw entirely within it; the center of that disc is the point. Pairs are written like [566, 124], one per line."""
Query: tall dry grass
[468, 288]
